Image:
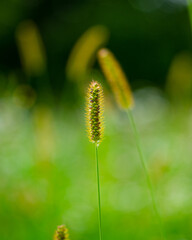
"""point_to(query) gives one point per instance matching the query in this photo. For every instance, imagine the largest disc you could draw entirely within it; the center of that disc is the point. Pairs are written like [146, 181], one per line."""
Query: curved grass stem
[98, 191]
[148, 179]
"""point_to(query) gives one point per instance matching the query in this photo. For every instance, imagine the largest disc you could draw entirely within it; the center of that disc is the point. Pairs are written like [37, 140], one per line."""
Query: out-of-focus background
[47, 167]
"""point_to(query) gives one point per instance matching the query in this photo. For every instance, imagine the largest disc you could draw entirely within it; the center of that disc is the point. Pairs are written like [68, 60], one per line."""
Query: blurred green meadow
[42, 189]
[47, 165]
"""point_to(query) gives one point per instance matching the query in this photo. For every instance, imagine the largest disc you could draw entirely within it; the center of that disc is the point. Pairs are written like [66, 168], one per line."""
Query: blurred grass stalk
[189, 6]
[31, 48]
[144, 165]
[179, 81]
[84, 52]
[123, 94]
[34, 60]
[44, 136]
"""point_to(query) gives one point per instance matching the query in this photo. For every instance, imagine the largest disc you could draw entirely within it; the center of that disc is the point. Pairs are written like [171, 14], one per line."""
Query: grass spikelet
[116, 78]
[94, 112]
[61, 233]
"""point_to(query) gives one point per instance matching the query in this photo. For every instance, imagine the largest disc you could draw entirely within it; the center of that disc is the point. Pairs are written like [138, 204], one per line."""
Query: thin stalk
[189, 6]
[143, 162]
[98, 191]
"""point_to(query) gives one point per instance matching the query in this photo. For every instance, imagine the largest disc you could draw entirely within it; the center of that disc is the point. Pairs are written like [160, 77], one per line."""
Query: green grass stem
[143, 162]
[98, 191]
[189, 6]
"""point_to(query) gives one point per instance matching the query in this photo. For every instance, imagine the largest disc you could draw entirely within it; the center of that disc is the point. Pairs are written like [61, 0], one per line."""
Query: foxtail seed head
[94, 112]
[61, 233]
[116, 78]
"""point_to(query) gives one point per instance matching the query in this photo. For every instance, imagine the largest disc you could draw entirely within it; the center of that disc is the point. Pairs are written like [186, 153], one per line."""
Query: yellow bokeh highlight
[83, 54]
[179, 79]
[31, 48]
[44, 133]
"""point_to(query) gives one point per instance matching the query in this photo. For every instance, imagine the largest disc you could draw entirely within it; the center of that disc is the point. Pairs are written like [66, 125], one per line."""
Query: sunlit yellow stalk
[116, 78]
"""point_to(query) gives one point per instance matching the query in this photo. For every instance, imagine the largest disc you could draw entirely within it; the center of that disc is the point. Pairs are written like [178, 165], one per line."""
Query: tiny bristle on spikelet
[61, 233]
[116, 78]
[94, 112]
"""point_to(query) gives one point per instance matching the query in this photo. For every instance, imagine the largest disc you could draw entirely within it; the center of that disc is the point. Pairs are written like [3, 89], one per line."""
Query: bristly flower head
[94, 112]
[61, 233]
[116, 78]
